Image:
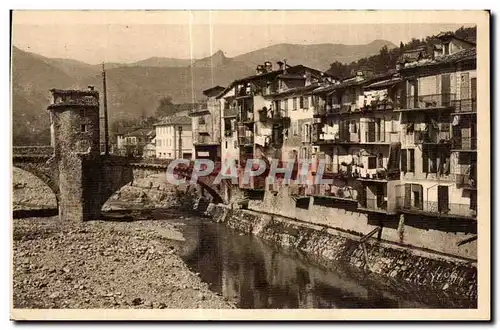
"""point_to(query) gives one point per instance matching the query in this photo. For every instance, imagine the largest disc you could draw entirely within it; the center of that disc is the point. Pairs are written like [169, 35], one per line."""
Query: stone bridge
[96, 179]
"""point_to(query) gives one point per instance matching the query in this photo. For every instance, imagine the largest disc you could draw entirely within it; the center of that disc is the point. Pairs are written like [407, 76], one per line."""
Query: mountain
[134, 89]
[163, 62]
[317, 56]
[218, 59]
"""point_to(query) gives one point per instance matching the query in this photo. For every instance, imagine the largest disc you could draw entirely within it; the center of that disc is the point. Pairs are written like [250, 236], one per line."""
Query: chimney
[284, 66]
[90, 88]
[269, 66]
[280, 64]
[260, 69]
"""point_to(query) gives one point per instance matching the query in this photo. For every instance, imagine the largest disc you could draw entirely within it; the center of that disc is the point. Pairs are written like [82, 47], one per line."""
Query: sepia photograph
[225, 165]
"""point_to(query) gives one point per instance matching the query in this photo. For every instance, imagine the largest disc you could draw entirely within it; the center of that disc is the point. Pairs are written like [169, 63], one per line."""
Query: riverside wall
[451, 279]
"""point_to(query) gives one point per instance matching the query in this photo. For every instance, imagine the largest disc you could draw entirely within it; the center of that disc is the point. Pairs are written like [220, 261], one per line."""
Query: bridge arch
[25, 178]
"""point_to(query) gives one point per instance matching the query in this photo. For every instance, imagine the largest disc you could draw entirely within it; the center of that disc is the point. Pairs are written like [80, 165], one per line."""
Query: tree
[339, 70]
[165, 107]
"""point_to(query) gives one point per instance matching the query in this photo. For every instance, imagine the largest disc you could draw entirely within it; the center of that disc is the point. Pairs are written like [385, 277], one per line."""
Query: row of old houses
[402, 141]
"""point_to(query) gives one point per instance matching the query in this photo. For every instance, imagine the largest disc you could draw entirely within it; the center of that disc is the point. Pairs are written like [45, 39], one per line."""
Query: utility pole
[180, 142]
[105, 99]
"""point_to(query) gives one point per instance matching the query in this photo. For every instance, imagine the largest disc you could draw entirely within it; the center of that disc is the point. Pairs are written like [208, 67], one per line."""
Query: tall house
[356, 131]
[258, 111]
[438, 131]
[174, 139]
[206, 126]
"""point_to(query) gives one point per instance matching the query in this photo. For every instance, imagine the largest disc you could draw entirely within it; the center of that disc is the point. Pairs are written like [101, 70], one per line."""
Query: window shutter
[404, 167]
[412, 160]
[425, 160]
[407, 200]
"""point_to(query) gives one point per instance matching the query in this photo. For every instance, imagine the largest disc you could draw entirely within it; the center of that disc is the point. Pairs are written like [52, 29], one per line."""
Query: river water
[254, 274]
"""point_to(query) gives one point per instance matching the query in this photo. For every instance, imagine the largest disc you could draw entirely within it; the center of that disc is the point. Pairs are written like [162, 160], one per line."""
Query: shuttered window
[411, 158]
[404, 160]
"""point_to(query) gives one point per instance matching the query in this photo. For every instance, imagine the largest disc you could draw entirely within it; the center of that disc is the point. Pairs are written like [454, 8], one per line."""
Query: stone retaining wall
[410, 270]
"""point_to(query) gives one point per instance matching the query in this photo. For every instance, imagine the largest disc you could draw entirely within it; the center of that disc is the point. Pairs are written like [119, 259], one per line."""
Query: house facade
[133, 142]
[438, 132]
[174, 138]
[268, 115]
[206, 126]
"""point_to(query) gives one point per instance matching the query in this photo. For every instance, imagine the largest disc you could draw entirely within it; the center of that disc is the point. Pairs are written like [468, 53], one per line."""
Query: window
[446, 48]
[82, 113]
[83, 128]
[380, 160]
[411, 158]
[306, 102]
[294, 103]
[295, 128]
[226, 144]
[201, 121]
[353, 127]
[372, 162]
[404, 160]
[301, 102]
[285, 104]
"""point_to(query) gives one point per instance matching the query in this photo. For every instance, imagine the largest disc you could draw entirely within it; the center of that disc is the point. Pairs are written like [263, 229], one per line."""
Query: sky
[96, 37]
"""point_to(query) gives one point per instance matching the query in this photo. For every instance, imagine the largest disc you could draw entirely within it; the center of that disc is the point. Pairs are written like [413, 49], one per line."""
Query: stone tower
[76, 140]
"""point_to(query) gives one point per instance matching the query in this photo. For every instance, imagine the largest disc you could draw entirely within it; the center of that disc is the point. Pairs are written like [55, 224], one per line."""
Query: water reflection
[255, 275]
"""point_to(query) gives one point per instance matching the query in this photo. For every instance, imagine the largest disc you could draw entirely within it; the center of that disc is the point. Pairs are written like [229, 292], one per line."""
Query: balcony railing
[200, 109]
[245, 140]
[330, 109]
[375, 204]
[468, 181]
[387, 137]
[435, 208]
[432, 137]
[465, 143]
[202, 128]
[430, 101]
[466, 105]
[204, 139]
[273, 115]
[230, 112]
[386, 104]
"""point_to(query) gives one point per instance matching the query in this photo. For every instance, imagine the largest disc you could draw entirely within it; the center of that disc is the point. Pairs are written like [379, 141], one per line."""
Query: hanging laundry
[456, 120]
[434, 124]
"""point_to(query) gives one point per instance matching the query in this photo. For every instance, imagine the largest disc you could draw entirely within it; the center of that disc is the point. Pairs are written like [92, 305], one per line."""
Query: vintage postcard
[250, 165]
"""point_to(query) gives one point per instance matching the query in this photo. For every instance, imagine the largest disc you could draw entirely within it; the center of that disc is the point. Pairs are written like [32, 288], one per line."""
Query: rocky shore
[103, 264]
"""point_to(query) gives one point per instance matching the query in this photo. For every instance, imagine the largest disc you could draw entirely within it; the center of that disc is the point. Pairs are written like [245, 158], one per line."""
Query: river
[254, 274]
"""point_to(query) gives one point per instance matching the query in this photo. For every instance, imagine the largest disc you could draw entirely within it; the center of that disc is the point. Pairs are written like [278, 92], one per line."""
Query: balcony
[380, 105]
[245, 140]
[230, 113]
[464, 144]
[373, 205]
[466, 181]
[466, 106]
[202, 109]
[202, 128]
[436, 209]
[204, 139]
[428, 102]
[326, 110]
[434, 137]
[274, 116]
[385, 138]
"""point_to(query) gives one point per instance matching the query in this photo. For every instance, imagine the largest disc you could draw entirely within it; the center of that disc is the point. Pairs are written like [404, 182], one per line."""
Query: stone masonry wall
[451, 280]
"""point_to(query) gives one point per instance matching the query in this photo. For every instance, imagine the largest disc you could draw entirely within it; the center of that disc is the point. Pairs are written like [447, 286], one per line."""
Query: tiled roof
[175, 120]
[141, 132]
[300, 89]
[383, 83]
[463, 55]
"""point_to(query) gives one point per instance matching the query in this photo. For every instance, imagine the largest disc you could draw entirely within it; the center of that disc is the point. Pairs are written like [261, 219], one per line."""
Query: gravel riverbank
[104, 264]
